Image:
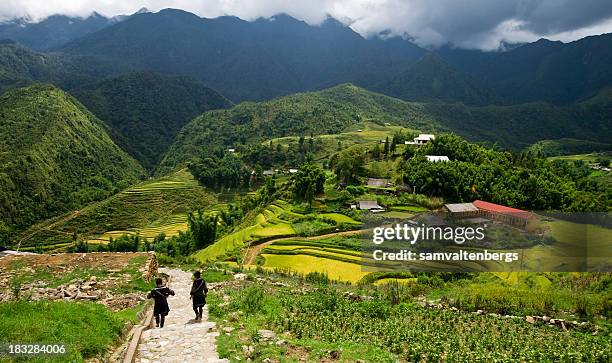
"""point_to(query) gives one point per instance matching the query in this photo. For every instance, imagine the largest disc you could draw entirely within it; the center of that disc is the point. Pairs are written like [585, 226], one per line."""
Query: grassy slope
[54, 156]
[154, 206]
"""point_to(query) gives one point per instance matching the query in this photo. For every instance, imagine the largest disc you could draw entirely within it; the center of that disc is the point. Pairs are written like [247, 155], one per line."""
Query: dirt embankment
[111, 279]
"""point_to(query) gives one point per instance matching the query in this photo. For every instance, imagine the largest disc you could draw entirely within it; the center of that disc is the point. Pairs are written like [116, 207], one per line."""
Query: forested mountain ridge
[55, 156]
[433, 79]
[281, 55]
[544, 70]
[53, 31]
[324, 112]
[246, 60]
[335, 109]
[146, 110]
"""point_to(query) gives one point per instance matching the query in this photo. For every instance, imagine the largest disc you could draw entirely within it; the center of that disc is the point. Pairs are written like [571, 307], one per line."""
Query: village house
[461, 210]
[370, 205]
[378, 183]
[437, 158]
[512, 216]
[424, 138]
[268, 172]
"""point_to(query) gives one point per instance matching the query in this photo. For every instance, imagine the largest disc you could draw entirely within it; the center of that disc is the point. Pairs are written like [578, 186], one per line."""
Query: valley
[267, 153]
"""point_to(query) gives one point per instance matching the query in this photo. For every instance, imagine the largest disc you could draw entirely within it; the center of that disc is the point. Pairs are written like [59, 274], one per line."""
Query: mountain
[336, 109]
[432, 79]
[245, 60]
[146, 110]
[21, 66]
[53, 31]
[544, 70]
[55, 156]
[324, 112]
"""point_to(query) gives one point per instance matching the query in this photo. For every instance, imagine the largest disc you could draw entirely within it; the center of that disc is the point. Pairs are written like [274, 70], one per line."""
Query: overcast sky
[430, 23]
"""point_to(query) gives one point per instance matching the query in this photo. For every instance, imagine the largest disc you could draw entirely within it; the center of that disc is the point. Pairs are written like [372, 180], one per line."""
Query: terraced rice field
[274, 221]
[152, 207]
[304, 264]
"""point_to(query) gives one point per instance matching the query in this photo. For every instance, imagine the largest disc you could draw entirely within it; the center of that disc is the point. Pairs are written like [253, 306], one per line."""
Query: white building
[437, 158]
[424, 138]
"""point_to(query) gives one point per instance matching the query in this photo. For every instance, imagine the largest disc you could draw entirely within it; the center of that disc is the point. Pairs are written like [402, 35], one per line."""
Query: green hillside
[347, 107]
[566, 147]
[148, 209]
[20, 66]
[146, 110]
[329, 111]
[430, 79]
[55, 156]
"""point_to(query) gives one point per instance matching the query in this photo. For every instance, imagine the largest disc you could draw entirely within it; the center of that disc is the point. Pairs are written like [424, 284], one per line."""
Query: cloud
[469, 23]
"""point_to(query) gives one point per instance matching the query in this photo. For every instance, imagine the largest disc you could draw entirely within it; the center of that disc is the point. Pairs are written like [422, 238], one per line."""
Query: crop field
[389, 326]
[304, 264]
[152, 207]
[274, 221]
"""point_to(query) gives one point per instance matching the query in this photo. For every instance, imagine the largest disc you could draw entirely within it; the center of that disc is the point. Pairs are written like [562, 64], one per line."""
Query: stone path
[181, 339]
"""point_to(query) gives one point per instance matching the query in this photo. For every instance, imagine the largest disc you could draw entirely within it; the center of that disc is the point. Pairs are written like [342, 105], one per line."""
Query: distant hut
[370, 205]
[461, 210]
[378, 183]
[424, 138]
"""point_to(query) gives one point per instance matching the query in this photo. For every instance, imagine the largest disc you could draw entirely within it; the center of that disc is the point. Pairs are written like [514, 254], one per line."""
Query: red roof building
[501, 212]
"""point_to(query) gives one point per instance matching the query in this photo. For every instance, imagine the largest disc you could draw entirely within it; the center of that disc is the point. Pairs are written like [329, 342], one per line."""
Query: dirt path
[254, 250]
[182, 339]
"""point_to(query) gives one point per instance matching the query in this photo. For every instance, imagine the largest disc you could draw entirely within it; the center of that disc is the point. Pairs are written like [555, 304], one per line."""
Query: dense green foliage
[145, 110]
[308, 182]
[546, 148]
[346, 106]
[216, 172]
[517, 180]
[518, 126]
[325, 112]
[55, 156]
[20, 66]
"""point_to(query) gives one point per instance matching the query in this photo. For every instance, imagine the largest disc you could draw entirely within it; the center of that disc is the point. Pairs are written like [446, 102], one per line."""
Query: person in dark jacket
[198, 294]
[160, 295]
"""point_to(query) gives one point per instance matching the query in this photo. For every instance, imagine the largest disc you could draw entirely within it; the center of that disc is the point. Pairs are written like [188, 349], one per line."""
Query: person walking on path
[198, 294]
[160, 295]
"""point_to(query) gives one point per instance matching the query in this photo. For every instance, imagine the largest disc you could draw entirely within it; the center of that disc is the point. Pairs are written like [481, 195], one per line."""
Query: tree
[386, 148]
[5, 233]
[203, 229]
[308, 182]
[376, 151]
[349, 164]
